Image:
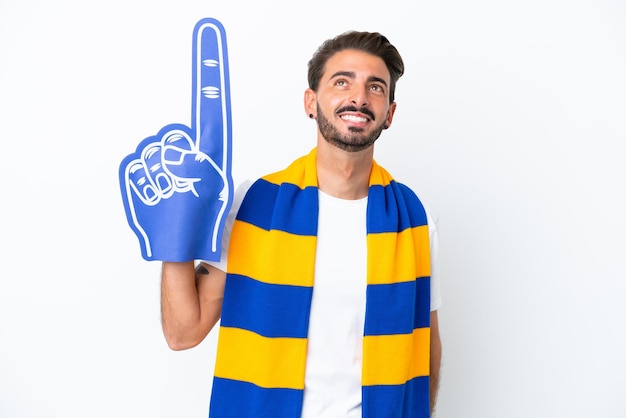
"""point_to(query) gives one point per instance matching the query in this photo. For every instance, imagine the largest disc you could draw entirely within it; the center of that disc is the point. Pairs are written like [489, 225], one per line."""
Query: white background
[511, 121]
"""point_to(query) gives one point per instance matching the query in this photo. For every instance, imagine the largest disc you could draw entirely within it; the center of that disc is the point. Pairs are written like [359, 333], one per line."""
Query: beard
[356, 140]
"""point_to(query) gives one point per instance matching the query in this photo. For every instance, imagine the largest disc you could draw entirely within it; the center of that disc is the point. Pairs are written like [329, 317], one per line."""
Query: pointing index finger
[211, 116]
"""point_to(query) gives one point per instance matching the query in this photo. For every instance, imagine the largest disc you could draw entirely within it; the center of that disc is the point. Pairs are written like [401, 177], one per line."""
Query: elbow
[178, 344]
[179, 337]
[175, 346]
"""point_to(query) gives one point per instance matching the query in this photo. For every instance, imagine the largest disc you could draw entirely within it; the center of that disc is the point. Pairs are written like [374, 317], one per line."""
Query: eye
[341, 82]
[377, 88]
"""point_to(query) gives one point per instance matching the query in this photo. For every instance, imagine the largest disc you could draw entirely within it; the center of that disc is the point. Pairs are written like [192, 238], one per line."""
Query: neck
[343, 174]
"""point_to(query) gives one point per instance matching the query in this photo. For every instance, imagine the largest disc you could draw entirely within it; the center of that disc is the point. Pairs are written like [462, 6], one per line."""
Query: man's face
[353, 100]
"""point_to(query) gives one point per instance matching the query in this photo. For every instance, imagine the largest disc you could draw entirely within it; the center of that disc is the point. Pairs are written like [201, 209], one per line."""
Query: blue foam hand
[177, 185]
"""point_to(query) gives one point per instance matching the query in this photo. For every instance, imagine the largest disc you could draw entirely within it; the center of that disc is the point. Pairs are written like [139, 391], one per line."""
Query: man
[329, 304]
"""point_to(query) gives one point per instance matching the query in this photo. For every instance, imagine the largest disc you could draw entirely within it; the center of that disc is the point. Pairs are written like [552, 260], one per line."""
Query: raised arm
[191, 302]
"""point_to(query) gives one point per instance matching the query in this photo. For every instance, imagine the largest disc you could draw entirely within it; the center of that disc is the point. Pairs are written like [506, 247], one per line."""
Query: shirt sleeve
[435, 272]
[240, 192]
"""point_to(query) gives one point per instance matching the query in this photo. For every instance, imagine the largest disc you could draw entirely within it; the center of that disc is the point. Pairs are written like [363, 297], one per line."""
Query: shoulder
[414, 197]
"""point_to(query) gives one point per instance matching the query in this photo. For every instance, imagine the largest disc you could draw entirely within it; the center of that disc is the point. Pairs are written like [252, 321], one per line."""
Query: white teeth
[353, 118]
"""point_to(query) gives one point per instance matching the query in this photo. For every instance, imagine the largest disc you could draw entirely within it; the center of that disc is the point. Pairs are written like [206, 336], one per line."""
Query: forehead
[358, 62]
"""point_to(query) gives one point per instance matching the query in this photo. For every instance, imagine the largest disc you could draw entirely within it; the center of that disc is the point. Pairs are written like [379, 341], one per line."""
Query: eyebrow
[351, 74]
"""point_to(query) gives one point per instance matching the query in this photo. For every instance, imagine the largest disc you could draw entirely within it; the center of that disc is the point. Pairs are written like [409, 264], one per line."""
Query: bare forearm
[434, 382]
[191, 302]
[435, 360]
[180, 306]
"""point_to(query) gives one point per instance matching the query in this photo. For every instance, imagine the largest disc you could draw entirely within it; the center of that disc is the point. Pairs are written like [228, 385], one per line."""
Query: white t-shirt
[334, 351]
[332, 386]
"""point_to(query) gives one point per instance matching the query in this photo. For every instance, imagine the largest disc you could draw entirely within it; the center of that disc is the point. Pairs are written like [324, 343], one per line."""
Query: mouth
[353, 115]
[354, 118]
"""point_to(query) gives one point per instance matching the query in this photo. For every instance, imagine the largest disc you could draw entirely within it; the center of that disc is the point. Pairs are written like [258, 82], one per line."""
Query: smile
[354, 118]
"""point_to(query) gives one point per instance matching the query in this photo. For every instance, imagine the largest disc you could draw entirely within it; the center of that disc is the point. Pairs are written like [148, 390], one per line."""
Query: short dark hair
[371, 42]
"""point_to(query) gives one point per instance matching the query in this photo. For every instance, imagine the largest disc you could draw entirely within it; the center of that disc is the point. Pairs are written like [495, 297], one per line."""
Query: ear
[390, 112]
[310, 103]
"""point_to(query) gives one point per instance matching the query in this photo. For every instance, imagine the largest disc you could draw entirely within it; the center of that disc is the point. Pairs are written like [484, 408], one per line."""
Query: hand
[177, 185]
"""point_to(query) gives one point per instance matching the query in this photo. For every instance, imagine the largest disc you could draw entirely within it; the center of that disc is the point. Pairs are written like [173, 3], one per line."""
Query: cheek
[329, 106]
[387, 112]
[332, 101]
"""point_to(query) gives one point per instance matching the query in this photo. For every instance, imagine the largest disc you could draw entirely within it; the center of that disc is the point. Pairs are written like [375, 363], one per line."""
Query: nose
[359, 96]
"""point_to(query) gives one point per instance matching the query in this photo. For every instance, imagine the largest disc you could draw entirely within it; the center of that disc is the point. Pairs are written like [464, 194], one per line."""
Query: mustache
[363, 110]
